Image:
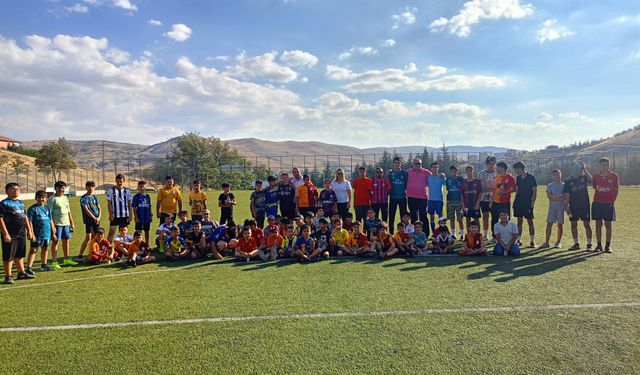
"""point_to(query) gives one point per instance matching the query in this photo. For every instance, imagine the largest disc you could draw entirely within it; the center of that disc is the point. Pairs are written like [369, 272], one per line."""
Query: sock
[575, 240]
[599, 244]
[532, 238]
[461, 233]
[607, 245]
[589, 241]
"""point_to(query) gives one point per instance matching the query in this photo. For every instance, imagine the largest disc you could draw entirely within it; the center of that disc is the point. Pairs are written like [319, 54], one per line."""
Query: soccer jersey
[386, 239]
[259, 200]
[276, 240]
[140, 248]
[471, 191]
[606, 188]
[184, 227]
[398, 180]
[322, 238]
[258, 234]
[14, 216]
[208, 226]
[307, 195]
[142, 204]
[119, 199]
[435, 183]
[526, 186]
[381, 187]
[419, 238]
[168, 199]
[401, 238]
[503, 183]
[40, 217]
[304, 244]
[362, 188]
[59, 206]
[577, 188]
[327, 200]
[195, 238]
[225, 199]
[271, 198]
[359, 241]
[340, 236]
[166, 228]
[218, 234]
[127, 238]
[198, 202]
[90, 202]
[473, 241]
[174, 244]
[454, 184]
[287, 193]
[101, 247]
[486, 179]
[371, 225]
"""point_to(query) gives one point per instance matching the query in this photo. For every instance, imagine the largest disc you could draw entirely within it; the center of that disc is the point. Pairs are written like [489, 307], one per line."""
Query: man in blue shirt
[398, 194]
[436, 196]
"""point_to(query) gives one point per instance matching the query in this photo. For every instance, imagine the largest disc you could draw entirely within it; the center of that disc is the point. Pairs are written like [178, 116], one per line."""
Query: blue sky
[510, 73]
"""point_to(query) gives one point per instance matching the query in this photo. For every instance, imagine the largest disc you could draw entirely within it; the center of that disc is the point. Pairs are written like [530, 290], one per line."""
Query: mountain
[620, 143]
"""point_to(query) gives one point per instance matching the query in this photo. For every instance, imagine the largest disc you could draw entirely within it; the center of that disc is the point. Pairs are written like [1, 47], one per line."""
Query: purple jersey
[327, 199]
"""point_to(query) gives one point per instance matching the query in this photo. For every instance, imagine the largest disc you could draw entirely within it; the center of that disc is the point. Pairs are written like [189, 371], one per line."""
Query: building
[5, 142]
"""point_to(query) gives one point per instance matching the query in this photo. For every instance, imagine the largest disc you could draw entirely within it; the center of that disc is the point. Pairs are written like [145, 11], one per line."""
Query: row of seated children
[132, 250]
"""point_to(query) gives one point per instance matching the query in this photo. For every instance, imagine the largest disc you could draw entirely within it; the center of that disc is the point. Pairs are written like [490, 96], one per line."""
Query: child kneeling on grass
[247, 247]
[175, 247]
[473, 243]
[100, 249]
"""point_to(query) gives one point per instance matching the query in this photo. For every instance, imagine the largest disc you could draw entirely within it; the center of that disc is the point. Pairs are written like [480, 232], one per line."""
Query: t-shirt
[40, 217]
[327, 199]
[362, 188]
[224, 199]
[417, 183]
[92, 205]
[505, 231]
[287, 194]
[276, 240]
[398, 181]
[258, 234]
[271, 198]
[503, 183]
[59, 206]
[219, 234]
[453, 189]
[14, 216]
[409, 228]
[166, 228]
[296, 182]
[473, 241]
[371, 225]
[322, 239]
[385, 239]
[556, 188]
[486, 179]
[307, 195]
[259, 200]
[196, 237]
[442, 239]
[342, 190]
[340, 236]
[471, 191]
[402, 237]
[198, 202]
[127, 238]
[101, 247]
[526, 186]
[168, 199]
[139, 248]
[435, 183]
[359, 241]
[577, 188]
[175, 244]
[381, 189]
[606, 188]
[119, 199]
[184, 227]
[419, 238]
[304, 244]
[142, 204]
[208, 226]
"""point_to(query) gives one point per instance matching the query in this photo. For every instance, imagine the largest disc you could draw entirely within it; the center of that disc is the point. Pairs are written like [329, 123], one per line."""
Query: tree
[56, 156]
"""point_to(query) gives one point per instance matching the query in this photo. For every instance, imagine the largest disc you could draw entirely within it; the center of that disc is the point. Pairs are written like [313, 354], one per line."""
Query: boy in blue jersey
[184, 224]
[15, 229]
[42, 225]
[142, 215]
[271, 197]
[91, 213]
[454, 201]
[398, 193]
[436, 196]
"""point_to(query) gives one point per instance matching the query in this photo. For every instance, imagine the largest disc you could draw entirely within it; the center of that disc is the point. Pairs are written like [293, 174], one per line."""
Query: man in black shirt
[526, 195]
[287, 194]
[577, 197]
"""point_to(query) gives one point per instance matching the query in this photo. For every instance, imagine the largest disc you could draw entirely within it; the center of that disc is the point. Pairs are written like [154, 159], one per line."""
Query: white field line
[363, 314]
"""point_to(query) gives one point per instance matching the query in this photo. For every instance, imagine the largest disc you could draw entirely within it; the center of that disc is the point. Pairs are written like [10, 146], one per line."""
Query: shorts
[454, 210]
[17, 248]
[120, 221]
[603, 211]
[63, 232]
[39, 243]
[555, 215]
[485, 207]
[522, 210]
[472, 213]
[91, 227]
[335, 249]
[143, 226]
[580, 213]
[435, 207]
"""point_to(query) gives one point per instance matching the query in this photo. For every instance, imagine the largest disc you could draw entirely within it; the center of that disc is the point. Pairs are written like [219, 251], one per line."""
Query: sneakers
[589, 247]
[56, 266]
[69, 262]
[30, 272]
[8, 280]
[544, 245]
[557, 246]
[80, 259]
[576, 246]
[518, 242]
[25, 276]
[598, 248]
[453, 237]
[607, 249]
[46, 267]
[532, 245]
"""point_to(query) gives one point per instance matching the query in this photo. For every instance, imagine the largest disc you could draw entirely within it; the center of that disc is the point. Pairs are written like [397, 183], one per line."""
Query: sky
[518, 74]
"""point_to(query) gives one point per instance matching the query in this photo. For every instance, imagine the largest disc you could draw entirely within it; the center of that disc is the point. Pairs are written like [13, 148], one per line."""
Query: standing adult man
[398, 193]
[287, 193]
[577, 203]
[605, 183]
[363, 191]
[486, 178]
[119, 206]
[526, 194]
[379, 198]
[169, 200]
[417, 192]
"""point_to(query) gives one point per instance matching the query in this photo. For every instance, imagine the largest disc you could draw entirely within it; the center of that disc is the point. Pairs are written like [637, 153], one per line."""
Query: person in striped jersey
[119, 206]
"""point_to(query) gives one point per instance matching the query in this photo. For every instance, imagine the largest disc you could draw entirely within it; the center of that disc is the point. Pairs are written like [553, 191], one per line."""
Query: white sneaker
[557, 246]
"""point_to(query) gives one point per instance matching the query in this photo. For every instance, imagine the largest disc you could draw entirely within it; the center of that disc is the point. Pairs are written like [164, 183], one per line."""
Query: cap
[271, 217]
[206, 212]
[442, 219]
[298, 217]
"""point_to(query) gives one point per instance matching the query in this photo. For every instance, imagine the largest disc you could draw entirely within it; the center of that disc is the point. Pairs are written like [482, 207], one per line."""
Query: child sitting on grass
[273, 245]
[122, 241]
[196, 241]
[358, 244]
[139, 251]
[473, 243]
[100, 249]
[164, 231]
[306, 247]
[420, 238]
[175, 247]
[290, 241]
[247, 247]
[404, 241]
[384, 244]
[338, 240]
[443, 242]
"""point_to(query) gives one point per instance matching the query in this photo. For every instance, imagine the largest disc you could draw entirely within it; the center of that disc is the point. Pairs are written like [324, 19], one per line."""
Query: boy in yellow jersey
[339, 238]
[197, 201]
[169, 200]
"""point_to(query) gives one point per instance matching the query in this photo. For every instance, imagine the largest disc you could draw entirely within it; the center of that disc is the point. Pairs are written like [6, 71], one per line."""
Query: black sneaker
[25, 276]
[29, 271]
[8, 280]
[46, 267]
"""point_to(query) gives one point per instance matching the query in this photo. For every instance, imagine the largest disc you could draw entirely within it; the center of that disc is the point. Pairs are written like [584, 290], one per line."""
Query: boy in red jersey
[473, 243]
[605, 183]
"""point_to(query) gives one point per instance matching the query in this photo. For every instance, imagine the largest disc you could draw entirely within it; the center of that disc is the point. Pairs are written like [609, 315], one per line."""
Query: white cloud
[263, 66]
[125, 4]
[474, 11]
[435, 71]
[364, 51]
[179, 32]
[389, 43]
[549, 30]
[406, 17]
[117, 56]
[219, 58]
[544, 116]
[338, 73]
[298, 58]
[77, 8]
[154, 22]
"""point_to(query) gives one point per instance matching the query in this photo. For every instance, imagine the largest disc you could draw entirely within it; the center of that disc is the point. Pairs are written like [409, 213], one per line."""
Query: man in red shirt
[605, 183]
[504, 185]
[363, 189]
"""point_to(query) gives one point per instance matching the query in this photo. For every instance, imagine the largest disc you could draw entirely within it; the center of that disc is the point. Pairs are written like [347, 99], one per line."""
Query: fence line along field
[548, 311]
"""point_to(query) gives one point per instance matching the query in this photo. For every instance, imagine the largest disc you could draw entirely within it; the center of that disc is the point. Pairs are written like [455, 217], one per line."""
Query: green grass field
[573, 313]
